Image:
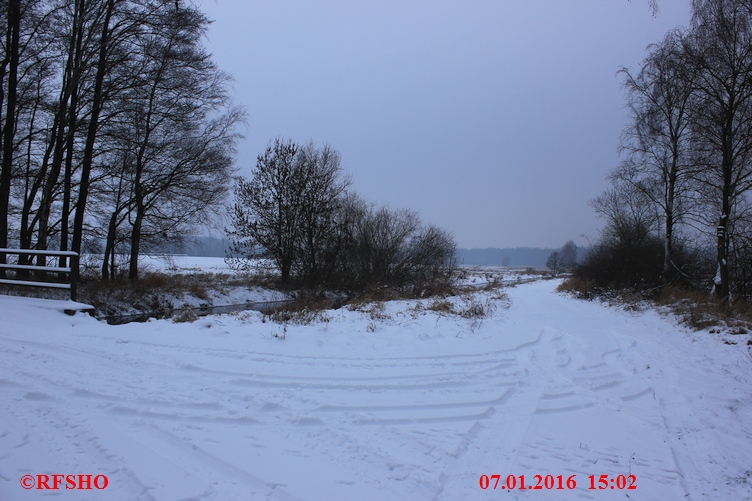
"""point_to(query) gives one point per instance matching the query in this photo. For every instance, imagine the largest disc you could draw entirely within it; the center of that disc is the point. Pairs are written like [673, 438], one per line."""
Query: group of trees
[117, 126]
[297, 211]
[563, 259]
[684, 186]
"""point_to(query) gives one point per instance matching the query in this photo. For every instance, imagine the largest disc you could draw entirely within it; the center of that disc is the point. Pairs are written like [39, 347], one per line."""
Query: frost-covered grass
[406, 399]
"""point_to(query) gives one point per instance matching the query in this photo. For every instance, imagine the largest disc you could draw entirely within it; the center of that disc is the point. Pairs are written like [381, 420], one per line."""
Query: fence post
[73, 261]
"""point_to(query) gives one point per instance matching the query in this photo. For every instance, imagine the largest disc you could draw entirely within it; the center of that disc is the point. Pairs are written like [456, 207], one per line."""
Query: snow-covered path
[402, 403]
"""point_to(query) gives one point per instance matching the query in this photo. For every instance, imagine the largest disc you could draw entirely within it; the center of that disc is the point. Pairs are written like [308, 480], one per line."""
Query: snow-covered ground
[394, 402]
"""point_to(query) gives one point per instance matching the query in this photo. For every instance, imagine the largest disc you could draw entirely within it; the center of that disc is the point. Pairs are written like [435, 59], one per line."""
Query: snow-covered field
[183, 264]
[391, 403]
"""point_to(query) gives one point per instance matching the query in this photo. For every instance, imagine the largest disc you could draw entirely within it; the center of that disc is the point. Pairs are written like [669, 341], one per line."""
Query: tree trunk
[136, 241]
[722, 288]
[78, 223]
[12, 48]
[668, 244]
[109, 247]
[66, 115]
[721, 281]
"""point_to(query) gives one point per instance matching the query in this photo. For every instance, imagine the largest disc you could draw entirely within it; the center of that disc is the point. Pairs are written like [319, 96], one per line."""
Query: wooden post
[73, 262]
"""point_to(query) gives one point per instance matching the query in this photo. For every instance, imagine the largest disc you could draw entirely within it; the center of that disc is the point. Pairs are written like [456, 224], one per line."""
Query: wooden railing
[41, 272]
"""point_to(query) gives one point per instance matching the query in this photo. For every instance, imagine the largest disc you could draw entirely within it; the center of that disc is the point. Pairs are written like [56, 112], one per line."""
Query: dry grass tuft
[700, 310]
[441, 306]
[305, 308]
[300, 317]
[199, 291]
[537, 271]
[184, 316]
[581, 288]
[473, 308]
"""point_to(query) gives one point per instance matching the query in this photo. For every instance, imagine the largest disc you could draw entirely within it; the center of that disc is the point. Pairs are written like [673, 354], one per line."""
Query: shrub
[620, 264]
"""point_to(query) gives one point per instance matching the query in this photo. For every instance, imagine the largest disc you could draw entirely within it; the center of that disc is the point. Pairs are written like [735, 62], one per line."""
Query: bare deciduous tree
[268, 210]
[9, 63]
[568, 255]
[183, 142]
[721, 49]
[656, 140]
[324, 186]
[554, 262]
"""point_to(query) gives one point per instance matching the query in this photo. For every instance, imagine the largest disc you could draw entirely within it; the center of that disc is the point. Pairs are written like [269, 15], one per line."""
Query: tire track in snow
[500, 436]
[154, 449]
[592, 387]
[565, 374]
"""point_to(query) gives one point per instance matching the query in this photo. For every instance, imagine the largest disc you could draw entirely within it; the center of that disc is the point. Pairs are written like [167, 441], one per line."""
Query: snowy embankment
[399, 403]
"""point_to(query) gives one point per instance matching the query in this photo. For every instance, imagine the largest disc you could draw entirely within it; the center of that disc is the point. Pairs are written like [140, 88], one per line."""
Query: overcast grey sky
[495, 119]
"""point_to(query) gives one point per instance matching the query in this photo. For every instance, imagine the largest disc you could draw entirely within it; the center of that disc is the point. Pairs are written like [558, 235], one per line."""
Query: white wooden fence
[71, 270]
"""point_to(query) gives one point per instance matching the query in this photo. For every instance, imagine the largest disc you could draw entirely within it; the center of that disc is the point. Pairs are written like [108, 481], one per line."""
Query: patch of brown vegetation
[697, 309]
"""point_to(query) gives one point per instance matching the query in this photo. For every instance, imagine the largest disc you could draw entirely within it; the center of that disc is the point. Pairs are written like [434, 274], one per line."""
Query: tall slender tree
[656, 140]
[721, 49]
[182, 122]
[10, 62]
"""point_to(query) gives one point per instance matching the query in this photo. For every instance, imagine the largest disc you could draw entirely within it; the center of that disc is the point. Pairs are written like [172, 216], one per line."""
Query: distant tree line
[297, 211]
[117, 126]
[678, 210]
[514, 256]
[208, 246]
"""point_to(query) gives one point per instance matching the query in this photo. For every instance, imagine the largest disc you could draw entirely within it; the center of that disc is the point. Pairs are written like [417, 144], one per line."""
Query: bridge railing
[41, 273]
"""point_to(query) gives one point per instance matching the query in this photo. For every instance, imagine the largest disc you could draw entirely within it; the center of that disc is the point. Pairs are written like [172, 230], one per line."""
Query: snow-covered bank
[399, 403]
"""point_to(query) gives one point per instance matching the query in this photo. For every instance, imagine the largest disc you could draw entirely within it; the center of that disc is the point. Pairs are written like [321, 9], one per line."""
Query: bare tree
[182, 129]
[656, 141]
[432, 256]
[384, 236]
[288, 211]
[268, 208]
[323, 187]
[25, 72]
[627, 211]
[554, 263]
[722, 112]
[87, 21]
[568, 255]
[9, 63]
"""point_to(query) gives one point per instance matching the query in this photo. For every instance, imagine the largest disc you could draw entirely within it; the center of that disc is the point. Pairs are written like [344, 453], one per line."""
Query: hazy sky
[495, 119]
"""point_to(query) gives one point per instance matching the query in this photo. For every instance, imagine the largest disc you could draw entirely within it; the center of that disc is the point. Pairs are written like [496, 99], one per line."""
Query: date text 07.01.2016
[557, 482]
